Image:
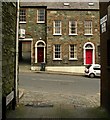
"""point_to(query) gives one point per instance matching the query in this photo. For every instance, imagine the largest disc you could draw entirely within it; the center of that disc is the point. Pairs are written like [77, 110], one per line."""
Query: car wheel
[92, 75]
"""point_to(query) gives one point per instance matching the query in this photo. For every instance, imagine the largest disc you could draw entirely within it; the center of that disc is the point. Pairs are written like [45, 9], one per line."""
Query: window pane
[57, 51]
[41, 15]
[57, 27]
[73, 51]
[88, 27]
[23, 15]
[73, 27]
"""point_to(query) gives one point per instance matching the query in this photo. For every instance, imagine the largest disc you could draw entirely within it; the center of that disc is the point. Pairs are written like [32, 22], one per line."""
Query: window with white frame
[57, 52]
[22, 15]
[72, 51]
[72, 27]
[88, 27]
[57, 27]
[41, 16]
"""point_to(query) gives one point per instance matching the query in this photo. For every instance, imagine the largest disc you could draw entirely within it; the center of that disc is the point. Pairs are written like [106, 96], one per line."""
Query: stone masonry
[8, 47]
[44, 31]
[65, 39]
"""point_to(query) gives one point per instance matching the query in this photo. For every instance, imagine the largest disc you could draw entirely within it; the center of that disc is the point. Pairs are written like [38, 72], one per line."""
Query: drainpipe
[17, 39]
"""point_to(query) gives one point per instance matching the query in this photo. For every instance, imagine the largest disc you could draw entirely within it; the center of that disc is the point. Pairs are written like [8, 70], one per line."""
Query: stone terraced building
[63, 35]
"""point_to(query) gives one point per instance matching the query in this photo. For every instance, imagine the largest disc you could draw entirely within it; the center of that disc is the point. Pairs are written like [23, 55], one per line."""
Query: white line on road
[54, 80]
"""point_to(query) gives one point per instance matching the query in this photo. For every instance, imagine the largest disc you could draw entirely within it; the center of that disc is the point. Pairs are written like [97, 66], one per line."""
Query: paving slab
[45, 105]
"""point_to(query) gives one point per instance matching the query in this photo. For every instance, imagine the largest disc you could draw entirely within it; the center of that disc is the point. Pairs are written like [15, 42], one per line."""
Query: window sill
[57, 34]
[57, 59]
[41, 22]
[88, 34]
[22, 22]
[73, 59]
[73, 34]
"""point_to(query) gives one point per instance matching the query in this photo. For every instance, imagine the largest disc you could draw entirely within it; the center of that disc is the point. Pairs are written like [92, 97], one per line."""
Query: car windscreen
[88, 66]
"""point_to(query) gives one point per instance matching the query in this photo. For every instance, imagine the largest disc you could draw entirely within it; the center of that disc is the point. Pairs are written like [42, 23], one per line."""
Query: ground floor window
[57, 52]
[72, 52]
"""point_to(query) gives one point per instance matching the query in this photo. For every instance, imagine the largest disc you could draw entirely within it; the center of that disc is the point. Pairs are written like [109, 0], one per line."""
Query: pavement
[34, 104]
[27, 68]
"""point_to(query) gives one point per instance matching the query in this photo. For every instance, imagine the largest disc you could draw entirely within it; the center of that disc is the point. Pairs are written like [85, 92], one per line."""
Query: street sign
[9, 97]
[103, 24]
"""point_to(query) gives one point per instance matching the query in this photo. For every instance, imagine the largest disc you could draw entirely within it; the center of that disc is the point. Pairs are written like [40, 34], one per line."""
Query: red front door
[40, 54]
[89, 56]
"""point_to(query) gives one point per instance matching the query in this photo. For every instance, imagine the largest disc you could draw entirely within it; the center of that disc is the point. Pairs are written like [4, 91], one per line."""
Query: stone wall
[8, 46]
[33, 29]
[105, 53]
[44, 31]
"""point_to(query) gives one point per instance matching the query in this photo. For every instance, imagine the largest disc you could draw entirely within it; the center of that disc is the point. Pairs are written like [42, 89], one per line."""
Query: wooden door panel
[40, 54]
[89, 56]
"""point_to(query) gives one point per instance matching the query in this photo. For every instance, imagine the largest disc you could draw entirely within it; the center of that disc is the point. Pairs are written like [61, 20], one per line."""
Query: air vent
[22, 33]
[66, 4]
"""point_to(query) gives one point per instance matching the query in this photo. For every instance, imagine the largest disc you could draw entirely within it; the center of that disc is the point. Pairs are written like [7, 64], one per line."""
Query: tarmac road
[58, 96]
[53, 83]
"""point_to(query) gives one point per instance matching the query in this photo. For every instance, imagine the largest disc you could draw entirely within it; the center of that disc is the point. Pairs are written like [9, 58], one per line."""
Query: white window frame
[24, 21]
[55, 27]
[88, 26]
[57, 51]
[39, 15]
[75, 52]
[75, 27]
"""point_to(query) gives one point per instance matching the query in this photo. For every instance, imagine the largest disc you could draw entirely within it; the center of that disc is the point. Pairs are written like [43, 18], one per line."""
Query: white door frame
[36, 46]
[93, 52]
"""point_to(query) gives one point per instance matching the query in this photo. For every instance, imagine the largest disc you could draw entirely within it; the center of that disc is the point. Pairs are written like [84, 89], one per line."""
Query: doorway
[40, 54]
[89, 56]
[40, 51]
[25, 52]
[89, 53]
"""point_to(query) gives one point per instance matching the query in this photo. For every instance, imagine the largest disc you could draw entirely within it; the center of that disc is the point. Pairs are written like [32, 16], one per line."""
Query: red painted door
[89, 56]
[40, 54]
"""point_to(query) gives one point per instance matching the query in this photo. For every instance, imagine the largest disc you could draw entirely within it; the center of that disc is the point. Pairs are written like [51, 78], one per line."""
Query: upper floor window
[57, 27]
[72, 52]
[22, 15]
[41, 16]
[88, 27]
[57, 52]
[72, 27]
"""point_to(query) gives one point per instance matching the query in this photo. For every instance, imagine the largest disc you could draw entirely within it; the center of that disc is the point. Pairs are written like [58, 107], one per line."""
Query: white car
[93, 70]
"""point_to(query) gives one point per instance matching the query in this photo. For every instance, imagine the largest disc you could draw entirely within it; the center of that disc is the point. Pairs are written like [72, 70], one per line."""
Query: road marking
[53, 80]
